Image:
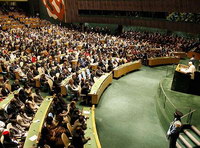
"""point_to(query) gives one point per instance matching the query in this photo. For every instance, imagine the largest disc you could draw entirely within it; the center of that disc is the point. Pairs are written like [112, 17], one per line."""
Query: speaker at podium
[182, 81]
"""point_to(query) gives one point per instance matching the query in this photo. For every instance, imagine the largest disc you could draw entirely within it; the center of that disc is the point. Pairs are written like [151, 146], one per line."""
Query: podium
[182, 81]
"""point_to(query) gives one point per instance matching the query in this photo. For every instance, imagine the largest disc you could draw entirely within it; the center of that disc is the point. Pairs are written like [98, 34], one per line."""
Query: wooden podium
[182, 81]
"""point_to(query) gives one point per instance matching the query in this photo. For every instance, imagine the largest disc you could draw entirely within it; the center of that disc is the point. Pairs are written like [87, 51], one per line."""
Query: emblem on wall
[55, 9]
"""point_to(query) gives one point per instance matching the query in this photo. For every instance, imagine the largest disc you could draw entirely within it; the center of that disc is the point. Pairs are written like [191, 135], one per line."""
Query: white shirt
[191, 70]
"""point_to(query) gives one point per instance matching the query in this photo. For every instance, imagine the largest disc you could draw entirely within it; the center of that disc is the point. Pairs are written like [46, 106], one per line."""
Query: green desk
[126, 68]
[7, 100]
[91, 128]
[99, 86]
[37, 124]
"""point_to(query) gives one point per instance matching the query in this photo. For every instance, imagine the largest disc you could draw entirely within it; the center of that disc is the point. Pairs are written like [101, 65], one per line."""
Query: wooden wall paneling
[147, 6]
[144, 23]
[155, 5]
[141, 5]
[161, 6]
[195, 6]
[168, 6]
[123, 5]
[94, 3]
[151, 5]
[184, 7]
[177, 6]
[84, 5]
[106, 5]
[150, 23]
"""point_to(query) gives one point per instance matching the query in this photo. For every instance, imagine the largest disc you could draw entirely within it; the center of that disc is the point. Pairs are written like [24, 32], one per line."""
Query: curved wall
[72, 8]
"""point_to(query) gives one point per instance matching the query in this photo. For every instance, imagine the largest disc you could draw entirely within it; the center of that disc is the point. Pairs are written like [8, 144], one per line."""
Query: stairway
[189, 138]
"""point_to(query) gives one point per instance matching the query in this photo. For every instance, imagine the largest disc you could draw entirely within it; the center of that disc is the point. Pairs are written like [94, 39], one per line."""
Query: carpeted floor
[126, 115]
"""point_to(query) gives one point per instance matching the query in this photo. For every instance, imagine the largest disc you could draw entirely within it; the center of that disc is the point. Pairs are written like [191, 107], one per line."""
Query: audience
[37, 52]
[184, 17]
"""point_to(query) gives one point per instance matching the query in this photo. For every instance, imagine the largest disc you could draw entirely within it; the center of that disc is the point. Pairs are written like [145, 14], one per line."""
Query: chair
[66, 119]
[46, 146]
[65, 140]
[2, 139]
[50, 82]
[9, 125]
[69, 128]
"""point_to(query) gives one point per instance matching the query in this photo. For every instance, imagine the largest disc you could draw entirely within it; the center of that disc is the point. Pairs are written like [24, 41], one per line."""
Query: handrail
[185, 115]
[188, 113]
[166, 95]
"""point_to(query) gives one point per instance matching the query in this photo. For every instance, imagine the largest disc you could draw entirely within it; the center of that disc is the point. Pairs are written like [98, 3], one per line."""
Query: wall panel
[72, 7]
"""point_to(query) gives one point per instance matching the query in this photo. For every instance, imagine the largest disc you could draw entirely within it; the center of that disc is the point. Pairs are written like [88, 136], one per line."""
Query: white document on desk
[33, 138]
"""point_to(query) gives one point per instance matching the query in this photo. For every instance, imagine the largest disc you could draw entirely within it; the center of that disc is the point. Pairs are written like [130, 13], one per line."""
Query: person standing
[191, 70]
[174, 129]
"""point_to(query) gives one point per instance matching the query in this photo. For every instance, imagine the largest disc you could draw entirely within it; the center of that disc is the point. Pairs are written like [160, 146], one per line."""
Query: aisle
[126, 116]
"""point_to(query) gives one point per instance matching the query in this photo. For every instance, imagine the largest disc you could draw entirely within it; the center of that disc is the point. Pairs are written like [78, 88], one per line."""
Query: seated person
[80, 122]
[72, 89]
[37, 96]
[71, 108]
[44, 82]
[18, 101]
[75, 115]
[15, 85]
[49, 123]
[58, 104]
[13, 107]
[23, 120]
[99, 72]
[31, 103]
[15, 129]
[75, 79]
[86, 88]
[110, 66]
[4, 117]
[23, 95]
[4, 91]
[7, 141]
[55, 138]
[78, 138]
[102, 65]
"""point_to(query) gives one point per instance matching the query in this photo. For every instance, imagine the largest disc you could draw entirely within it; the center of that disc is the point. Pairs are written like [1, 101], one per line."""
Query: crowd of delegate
[54, 53]
[184, 17]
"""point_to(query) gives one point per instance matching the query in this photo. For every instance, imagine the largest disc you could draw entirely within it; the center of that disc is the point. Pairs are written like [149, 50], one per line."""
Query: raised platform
[167, 101]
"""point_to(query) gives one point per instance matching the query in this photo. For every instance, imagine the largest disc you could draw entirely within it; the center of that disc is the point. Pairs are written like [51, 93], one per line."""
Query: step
[195, 129]
[180, 144]
[186, 140]
[193, 136]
